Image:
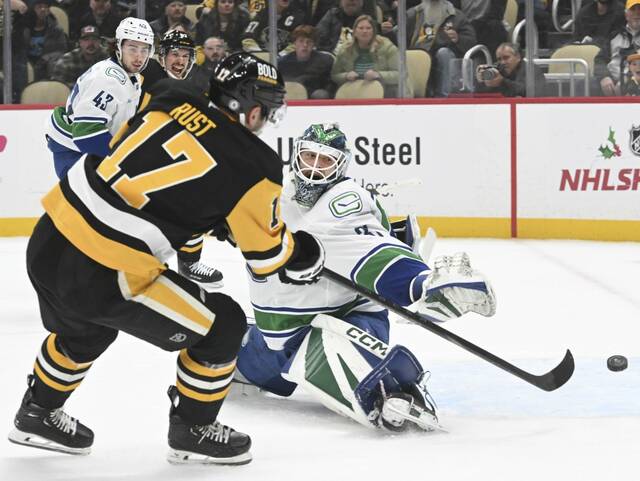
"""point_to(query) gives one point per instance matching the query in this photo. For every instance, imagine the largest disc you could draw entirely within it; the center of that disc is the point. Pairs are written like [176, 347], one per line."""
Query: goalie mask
[320, 159]
[184, 48]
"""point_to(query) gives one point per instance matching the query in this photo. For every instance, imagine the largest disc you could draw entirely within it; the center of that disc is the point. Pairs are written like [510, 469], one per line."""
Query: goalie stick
[549, 381]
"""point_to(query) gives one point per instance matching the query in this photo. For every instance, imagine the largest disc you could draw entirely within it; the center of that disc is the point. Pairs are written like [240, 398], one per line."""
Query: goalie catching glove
[453, 289]
[306, 265]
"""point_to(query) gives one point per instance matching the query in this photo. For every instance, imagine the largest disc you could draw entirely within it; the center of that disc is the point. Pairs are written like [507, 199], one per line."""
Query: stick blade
[558, 376]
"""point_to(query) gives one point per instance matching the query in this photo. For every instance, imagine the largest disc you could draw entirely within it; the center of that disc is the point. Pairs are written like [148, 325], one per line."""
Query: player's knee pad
[222, 342]
[352, 372]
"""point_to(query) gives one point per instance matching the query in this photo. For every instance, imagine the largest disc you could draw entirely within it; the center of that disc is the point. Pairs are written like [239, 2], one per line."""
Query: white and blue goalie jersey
[355, 232]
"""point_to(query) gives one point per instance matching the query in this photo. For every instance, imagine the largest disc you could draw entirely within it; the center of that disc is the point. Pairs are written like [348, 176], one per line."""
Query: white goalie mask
[320, 159]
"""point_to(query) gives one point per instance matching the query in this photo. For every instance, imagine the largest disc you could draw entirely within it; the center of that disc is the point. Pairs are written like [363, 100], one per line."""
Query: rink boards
[485, 167]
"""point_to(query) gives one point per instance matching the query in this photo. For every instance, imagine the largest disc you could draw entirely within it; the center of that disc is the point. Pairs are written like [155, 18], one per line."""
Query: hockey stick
[548, 382]
[398, 184]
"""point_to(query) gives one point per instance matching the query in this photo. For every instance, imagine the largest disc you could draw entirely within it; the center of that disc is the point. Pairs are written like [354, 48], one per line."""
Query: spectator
[334, 30]
[18, 46]
[316, 9]
[444, 31]
[632, 86]
[256, 36]
[610, 62]
[73, 64]
[174, 11]
[227, 21]
[597, 20]
[307, 66]
[508, 76]
[367, 56]
[486, 17]
[102, 16]
[541, 17]
[45, 39]
[215, 49]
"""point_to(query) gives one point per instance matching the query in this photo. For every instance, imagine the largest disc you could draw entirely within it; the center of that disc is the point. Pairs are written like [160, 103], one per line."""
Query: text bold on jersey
[192, 119]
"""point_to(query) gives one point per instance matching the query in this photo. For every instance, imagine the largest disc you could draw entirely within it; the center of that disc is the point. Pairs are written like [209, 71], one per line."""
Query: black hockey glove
[222, 233]
[307, 263]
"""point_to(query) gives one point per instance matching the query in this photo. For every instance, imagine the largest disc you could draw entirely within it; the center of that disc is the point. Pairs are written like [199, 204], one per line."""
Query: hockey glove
[222, 233]
[306, 265]
[454, 288]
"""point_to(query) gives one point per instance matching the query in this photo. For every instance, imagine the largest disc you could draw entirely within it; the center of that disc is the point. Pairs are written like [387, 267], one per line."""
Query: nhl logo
[634, 140]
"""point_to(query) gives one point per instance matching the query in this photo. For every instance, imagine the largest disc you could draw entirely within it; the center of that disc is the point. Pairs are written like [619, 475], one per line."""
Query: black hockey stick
[548, 382]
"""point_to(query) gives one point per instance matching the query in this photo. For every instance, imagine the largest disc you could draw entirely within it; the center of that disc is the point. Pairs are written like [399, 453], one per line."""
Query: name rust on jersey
[192, 119]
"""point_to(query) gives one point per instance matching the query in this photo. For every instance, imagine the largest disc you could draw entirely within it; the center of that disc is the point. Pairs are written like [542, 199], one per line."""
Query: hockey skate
[50, 429]
[213, 443]
[201, 273]
[414, 408]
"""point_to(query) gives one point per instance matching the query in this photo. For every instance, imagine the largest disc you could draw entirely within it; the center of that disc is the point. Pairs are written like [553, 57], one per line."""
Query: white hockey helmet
[132, 28]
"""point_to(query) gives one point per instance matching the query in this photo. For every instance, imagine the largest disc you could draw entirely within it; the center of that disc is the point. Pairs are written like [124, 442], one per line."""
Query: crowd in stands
[324, 44]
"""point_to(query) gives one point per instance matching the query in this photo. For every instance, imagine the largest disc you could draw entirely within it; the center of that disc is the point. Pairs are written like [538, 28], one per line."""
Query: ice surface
[552, 295]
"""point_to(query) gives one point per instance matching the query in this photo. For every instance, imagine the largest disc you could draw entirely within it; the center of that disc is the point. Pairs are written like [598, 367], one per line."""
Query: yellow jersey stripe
[59, 358]
[191, 249]
[198, 368]
[199, 396]
[101, 249]
[51, 383]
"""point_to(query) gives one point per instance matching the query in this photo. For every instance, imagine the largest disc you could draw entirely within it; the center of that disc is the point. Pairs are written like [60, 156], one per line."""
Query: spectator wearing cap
[102, 15]
[306, 65]
[632, 86]
[610, 63]
[227, 21]
[174, 15]
[45, 39]
[73, 64]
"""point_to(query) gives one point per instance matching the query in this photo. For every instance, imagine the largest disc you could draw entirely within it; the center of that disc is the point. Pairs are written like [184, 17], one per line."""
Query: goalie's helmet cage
[320, 159]
[242, 81]
[132, 28]
[176, 40]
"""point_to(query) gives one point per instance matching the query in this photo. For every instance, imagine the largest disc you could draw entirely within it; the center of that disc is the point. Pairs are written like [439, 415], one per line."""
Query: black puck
[617, 363]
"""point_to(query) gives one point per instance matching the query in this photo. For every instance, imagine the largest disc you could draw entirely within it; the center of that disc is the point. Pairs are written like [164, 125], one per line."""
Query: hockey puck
[617, 363]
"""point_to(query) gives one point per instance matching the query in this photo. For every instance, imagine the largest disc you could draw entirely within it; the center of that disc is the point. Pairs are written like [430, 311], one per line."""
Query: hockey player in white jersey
[327, 338]
[102, 99]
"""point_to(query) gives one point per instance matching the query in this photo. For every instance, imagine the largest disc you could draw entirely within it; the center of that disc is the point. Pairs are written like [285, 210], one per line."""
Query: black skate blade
[34, 441]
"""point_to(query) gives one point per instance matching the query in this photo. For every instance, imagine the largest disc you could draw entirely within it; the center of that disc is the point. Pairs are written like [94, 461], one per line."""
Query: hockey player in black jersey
[177, 54]
[97, 256]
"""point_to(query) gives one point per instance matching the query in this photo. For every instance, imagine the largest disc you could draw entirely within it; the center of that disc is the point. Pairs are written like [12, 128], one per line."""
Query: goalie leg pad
[353, 373]
[262, 366]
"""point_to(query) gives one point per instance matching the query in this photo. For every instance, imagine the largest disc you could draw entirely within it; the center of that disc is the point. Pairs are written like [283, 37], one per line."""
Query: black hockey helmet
[241, 81]
[175, 39]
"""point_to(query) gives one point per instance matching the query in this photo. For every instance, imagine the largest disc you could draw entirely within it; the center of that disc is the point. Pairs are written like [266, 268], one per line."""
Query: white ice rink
[552, 295]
